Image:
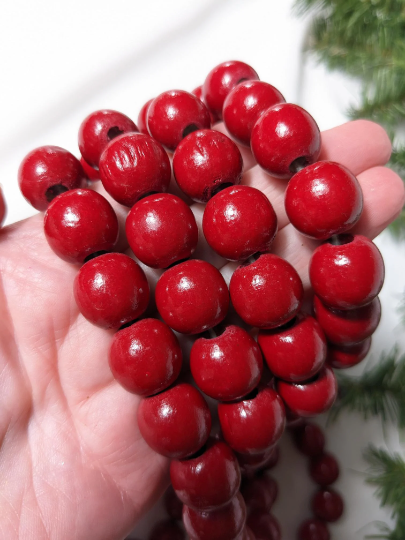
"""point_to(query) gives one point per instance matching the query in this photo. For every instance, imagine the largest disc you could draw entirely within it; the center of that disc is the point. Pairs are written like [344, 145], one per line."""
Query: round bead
[46, 172]
[255, 423]
[175, 423]
[146, 357]
[239, 222]
[132, 166]
[205, 162]
[98, 129]
[347, 356]
[294, 352]
[250, 464]
[245, 104]
[143, 118]
[92, 174]
[324, 469]
[111, 290]
[208, 480]
[198, 93]
[192, 297]
[266, 293]
[172, 504]
[223, 523]
[350, 326]
[323, 199]
[285, 136]
[174, 114]
[161, 230]
[228, 366]
[167, 530]
[259, 493]
[311, 398]
[348, 274]
[221, 80]
[313, 529]
[264, 526]
[327, 505]
[79, 223]
[309, 439]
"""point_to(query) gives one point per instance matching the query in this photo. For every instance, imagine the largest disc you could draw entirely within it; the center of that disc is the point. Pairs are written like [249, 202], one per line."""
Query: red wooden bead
[111, 290]
[198, 92]
[175, 423]
[221, 80]
[323, 199]
[228, 366]
[264, 526]
[284, 138]
[172, 504]
[313, 529]
[259, 493]
[245, 104]
[167, 530]
[255, 423]
[192, 297]
[324, 469]
[238, 222]
[346, 356]
[313, 397]
[92, 174]
[250, 464]
[143, 118]
[174, 114]
[309, 439]
[146, 357]
[79, 223]
[208, 480]
[349, 326]
[98, 129]
[223, 523]
[132, 166]
[205, 162]
[161, 230]
[46, 172]
[347, 272]
[327, 505]
[3, 208]
[294, 352]
[266, 293]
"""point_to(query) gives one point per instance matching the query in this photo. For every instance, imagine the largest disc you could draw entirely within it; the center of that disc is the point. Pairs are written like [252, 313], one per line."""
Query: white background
[59, 62]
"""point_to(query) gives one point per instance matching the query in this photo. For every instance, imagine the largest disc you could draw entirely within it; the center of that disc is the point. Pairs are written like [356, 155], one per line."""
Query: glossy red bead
[143, 118]
[239, 222]
[228, 366]
[309, 439]
[349, 326]
[221, 80]
[327, 505]
[146, 357]
[111, 290]
[167, 530]
[205, 162]
[264, 526]
[208, 480]
[79, 223]
[46, 172]
[323, 199]
[348, 274]
[294, 352]
[172, 504]
[259, 493]
[324, 469]
[313, 397]
[285, 136]
[98, 129]
[313, 529]
[347, 356]
[3, 207]
[223, 523]
[161, 230]
[192, 297]
[92, 174]
[174, 114]
[134, 165]
[254, 424]
[245, 104]
[266, 293]
[198, 93]
[175, 423]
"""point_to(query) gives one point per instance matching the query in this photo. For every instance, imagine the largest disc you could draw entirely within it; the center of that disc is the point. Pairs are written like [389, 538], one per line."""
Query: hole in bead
[177, 262]
[252, 259]
[114, 132]
[340, 239]
[189, 129]
[287, 325]
[251, 395]
[242, 79]
[220, 187]
[212, 333]
[197, 454]
[298, 164]
[147, 195]
[54, 191]
[94, 255]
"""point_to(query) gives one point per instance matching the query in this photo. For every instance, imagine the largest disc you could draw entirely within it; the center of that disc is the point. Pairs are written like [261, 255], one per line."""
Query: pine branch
[397, 160]
[379, 391]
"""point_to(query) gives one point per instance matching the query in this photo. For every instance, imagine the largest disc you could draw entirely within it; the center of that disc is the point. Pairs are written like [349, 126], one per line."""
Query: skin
[72, 461]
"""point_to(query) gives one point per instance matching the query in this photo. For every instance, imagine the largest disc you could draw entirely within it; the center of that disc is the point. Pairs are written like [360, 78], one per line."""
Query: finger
[247, 156]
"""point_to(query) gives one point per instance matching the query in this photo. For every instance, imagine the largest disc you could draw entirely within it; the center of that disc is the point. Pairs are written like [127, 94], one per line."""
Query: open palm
[72, 460]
